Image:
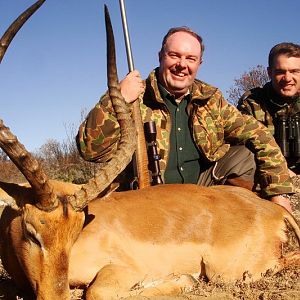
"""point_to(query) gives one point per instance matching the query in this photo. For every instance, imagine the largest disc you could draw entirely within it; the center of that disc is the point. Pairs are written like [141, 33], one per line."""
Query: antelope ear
[12, 192]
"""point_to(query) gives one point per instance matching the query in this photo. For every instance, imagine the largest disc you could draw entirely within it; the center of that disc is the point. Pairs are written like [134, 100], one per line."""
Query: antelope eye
[30, 234]
[33, 238]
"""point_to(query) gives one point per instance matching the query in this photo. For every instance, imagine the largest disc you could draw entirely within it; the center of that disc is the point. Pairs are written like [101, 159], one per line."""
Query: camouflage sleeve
[99, 133]
[272, 170]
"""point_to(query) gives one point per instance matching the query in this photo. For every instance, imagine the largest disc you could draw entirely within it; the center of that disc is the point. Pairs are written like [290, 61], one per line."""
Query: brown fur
[143, 242]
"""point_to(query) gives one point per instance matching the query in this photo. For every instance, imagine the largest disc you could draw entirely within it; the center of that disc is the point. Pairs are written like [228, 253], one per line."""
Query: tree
[9, 172]
[255, 77]
[60, 160]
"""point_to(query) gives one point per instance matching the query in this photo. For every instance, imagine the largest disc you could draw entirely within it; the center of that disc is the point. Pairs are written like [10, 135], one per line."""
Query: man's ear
[160, 54]
[269, 70]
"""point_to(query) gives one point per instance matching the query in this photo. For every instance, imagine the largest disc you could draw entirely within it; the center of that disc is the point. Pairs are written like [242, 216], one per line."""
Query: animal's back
[167, 228]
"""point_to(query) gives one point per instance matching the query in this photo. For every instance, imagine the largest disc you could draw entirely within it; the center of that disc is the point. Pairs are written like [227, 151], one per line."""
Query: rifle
[140, 159]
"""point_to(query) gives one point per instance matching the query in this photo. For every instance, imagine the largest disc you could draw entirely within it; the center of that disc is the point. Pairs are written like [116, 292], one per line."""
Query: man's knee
[237, 168]
[238, 162]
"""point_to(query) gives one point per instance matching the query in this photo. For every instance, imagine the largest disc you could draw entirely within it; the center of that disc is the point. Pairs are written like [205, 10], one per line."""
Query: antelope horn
[126, 145]
[15, 27]
[30, 168]
[45, 198]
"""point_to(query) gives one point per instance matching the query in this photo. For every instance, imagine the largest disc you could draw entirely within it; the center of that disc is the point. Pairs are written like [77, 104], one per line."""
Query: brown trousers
[236, 167]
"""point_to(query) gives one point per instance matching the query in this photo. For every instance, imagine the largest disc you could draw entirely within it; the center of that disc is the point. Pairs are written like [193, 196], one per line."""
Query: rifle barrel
[126, 36]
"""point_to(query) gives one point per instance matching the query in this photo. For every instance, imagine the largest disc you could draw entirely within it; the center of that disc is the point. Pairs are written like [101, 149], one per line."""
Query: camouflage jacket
[269, 108]
[215, 125]
[264, 104]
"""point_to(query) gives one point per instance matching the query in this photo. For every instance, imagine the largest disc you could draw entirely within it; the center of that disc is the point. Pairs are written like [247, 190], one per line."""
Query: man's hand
[283, 201]
[132, 86]
[292, 173]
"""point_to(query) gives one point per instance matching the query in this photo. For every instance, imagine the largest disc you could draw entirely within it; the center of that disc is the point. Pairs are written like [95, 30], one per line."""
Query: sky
[54, 71]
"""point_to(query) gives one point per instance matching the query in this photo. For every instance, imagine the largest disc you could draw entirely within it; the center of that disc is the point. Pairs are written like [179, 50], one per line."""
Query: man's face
[179, 63]
[285, 75]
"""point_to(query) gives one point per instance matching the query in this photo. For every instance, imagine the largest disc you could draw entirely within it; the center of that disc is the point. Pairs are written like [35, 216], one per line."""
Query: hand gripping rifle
[140, 159]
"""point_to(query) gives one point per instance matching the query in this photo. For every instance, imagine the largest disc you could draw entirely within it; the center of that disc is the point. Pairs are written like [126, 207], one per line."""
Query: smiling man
[179, 59]
[201, 138]
[277, 103]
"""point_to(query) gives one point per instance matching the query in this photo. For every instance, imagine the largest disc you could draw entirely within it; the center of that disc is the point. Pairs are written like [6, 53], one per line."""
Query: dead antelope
[147, 242]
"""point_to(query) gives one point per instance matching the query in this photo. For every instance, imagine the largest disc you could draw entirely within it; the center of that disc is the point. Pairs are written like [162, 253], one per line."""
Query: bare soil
[284, 285]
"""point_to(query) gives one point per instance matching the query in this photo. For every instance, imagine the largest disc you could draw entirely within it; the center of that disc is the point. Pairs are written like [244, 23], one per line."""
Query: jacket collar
[277, 99]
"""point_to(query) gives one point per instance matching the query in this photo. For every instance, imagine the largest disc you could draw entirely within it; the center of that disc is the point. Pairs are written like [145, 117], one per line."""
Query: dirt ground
[283, 285]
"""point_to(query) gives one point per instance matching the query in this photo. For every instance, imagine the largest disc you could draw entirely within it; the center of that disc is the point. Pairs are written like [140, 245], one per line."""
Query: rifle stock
[141, 150]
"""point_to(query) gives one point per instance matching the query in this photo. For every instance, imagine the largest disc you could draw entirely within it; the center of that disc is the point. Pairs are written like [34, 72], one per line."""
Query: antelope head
[49, 217]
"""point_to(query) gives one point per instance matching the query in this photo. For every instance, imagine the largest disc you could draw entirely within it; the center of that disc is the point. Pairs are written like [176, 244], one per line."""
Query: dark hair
[182, 29]
[288, 49]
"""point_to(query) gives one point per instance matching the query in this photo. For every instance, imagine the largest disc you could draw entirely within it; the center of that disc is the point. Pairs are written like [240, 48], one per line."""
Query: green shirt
[183, 165]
